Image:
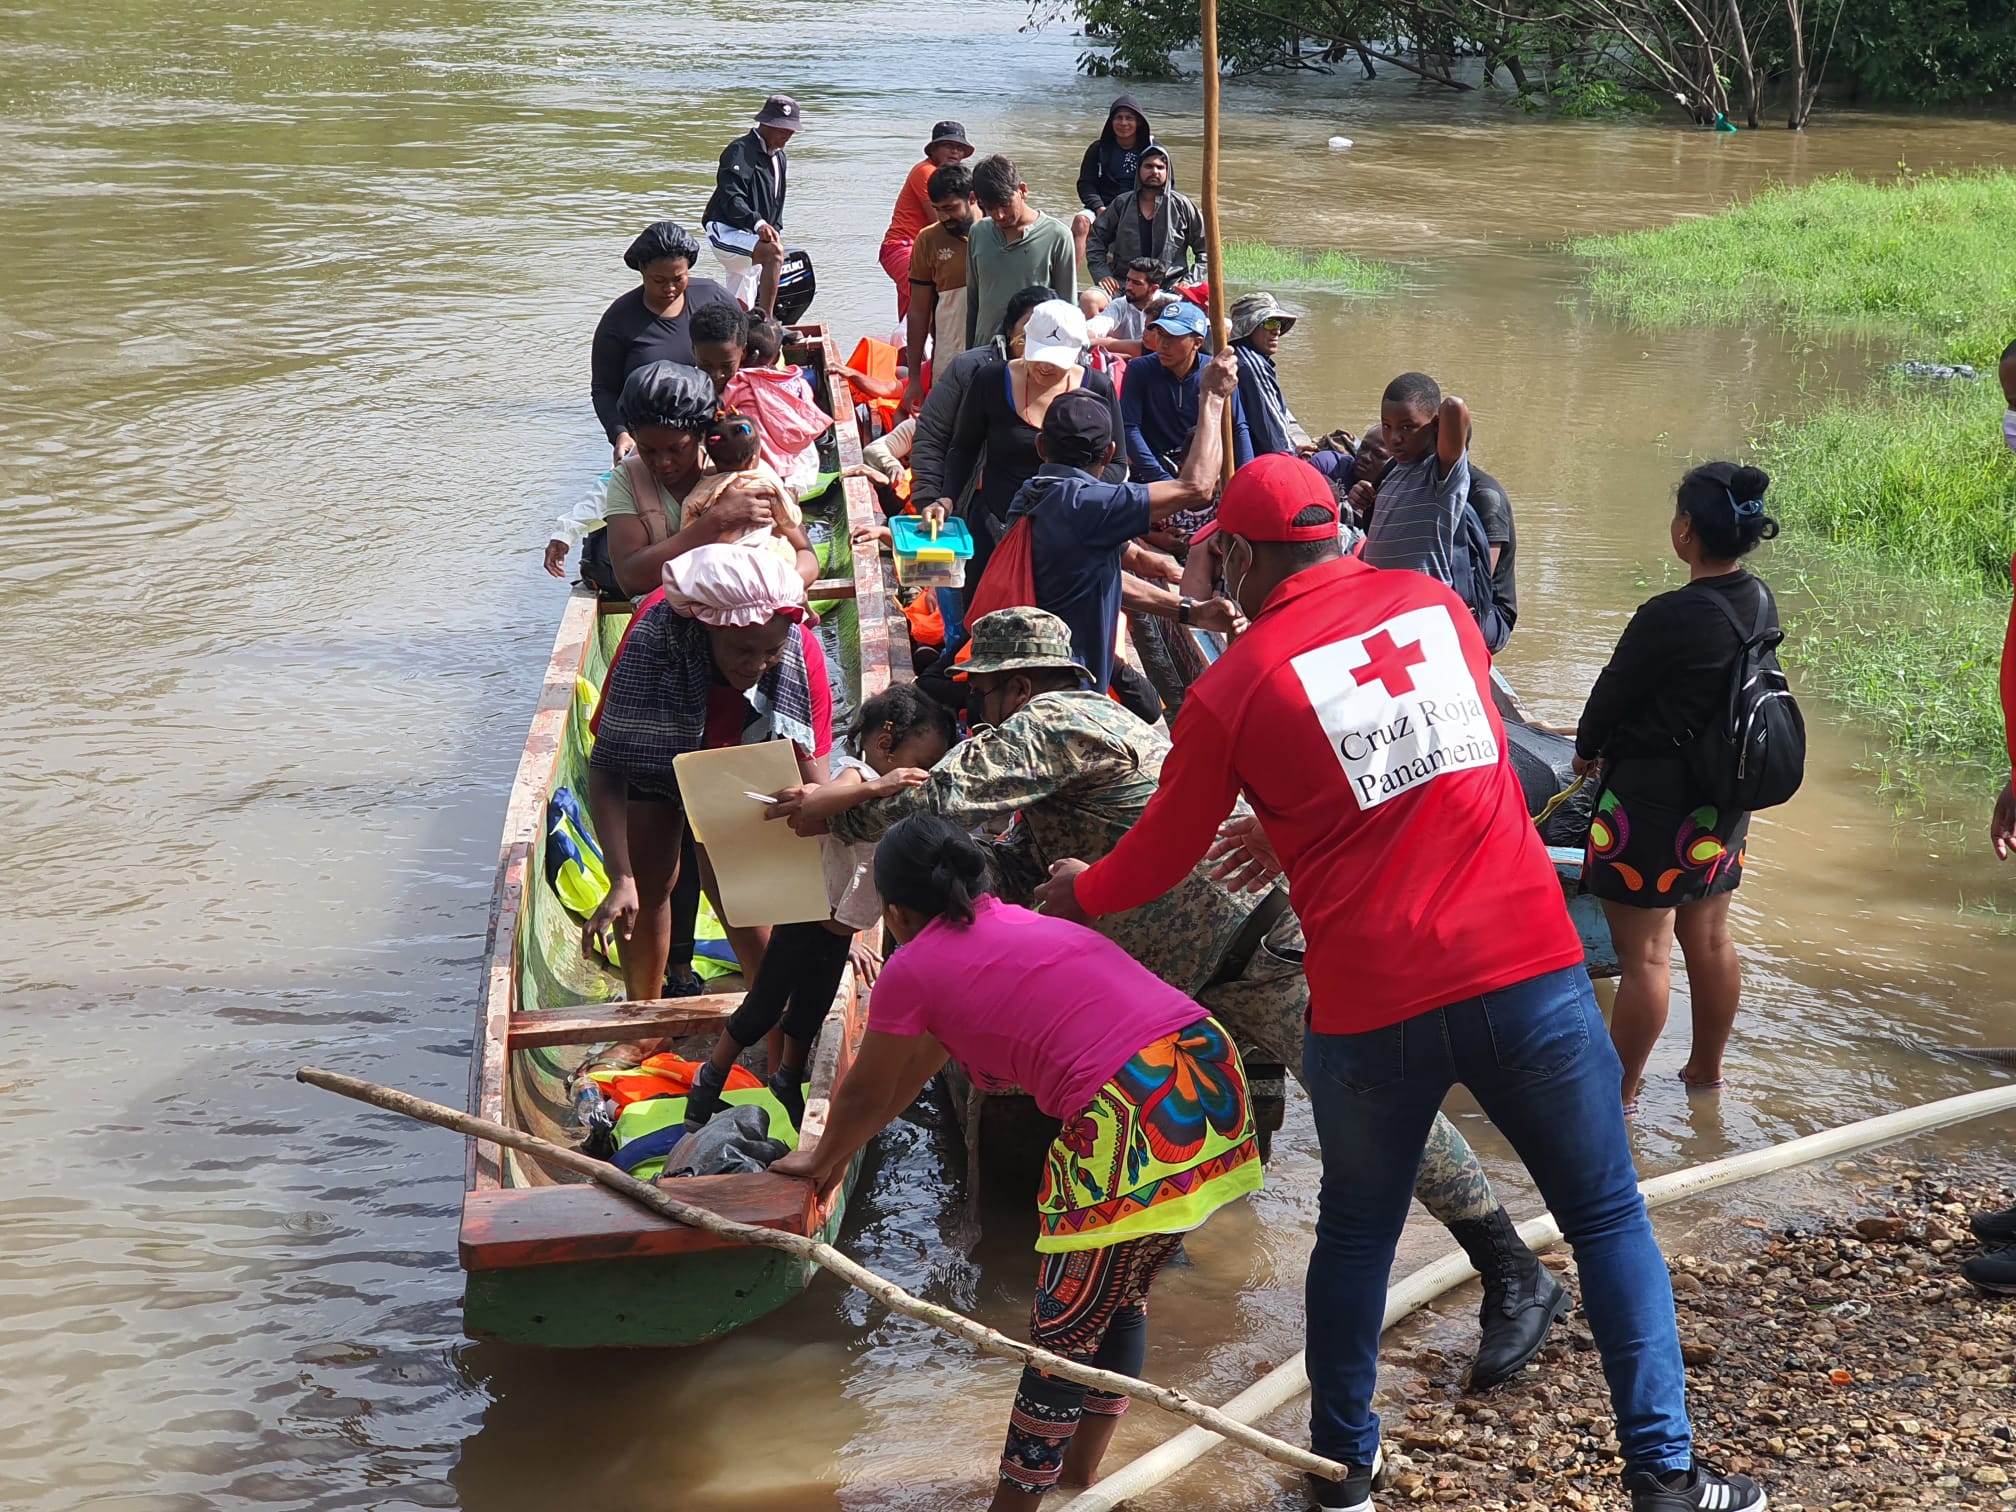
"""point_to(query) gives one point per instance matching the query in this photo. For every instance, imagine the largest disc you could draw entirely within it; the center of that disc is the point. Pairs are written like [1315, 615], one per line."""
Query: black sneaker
[1993, 1273]
[1698, 1489]
[1995, 1228]
[1351, 1494]
[786, 1087]
[704, 1101]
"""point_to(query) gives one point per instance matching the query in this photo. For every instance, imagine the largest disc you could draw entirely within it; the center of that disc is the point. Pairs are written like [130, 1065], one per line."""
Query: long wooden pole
[827, 1258]
[1214, 243]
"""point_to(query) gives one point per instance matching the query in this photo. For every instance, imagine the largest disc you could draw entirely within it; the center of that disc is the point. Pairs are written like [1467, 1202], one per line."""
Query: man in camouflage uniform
[1073, 771]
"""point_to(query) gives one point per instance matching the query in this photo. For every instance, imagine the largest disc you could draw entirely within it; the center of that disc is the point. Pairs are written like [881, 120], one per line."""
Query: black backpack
[1470, 566]
[1753, 754]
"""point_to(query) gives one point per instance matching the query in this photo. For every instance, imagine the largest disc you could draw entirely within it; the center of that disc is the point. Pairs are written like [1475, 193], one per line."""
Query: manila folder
[767, 874]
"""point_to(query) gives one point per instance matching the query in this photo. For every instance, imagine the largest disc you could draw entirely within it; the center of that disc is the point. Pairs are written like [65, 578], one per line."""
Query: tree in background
[1714, 58]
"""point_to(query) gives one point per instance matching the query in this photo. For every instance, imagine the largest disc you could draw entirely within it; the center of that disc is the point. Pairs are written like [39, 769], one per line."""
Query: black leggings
[796, 982]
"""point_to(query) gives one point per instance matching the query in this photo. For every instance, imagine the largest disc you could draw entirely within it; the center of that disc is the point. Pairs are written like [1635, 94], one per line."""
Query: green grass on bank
[1915, 476]
[1930, 259]
[1899, 507]
[1260, 265]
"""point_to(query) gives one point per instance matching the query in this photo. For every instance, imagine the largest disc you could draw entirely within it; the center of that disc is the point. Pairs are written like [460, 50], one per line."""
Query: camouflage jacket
[1074, 771]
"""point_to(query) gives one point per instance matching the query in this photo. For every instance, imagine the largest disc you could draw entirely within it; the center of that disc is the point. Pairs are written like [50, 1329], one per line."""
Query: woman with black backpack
[1666, 846]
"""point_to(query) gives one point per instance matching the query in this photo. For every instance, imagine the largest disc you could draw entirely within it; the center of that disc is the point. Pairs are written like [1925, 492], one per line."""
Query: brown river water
[294, 316]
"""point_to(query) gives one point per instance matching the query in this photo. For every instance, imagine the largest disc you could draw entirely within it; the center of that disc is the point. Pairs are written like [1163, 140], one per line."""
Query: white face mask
[1232, 585]
[2009, 428]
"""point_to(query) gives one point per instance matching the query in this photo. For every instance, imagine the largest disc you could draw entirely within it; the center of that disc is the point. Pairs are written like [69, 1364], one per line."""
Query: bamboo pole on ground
[1214, 244]
[1290, 1379]
[827, 1258]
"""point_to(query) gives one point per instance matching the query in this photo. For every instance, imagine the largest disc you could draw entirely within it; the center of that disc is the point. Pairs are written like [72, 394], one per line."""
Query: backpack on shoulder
[1471, 567]
[1753, 754]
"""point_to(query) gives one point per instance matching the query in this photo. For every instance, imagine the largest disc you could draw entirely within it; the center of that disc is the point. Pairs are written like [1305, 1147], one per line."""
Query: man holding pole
[1356, 718]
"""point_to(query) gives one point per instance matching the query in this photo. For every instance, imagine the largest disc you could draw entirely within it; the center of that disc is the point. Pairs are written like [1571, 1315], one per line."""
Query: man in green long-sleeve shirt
[1013, 246]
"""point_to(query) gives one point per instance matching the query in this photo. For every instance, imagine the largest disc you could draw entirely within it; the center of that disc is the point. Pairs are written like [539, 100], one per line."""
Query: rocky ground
[1844, 1364]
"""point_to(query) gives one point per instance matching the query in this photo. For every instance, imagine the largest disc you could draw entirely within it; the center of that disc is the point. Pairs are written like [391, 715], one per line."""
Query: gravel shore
[1844, 1364]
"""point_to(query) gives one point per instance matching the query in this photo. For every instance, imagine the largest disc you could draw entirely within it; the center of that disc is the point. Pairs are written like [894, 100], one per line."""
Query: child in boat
[899, 735]
[1157, 1124]
[733, 445]
[784, 403]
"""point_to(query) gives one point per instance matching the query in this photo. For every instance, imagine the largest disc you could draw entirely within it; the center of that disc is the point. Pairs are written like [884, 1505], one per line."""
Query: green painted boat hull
[658, 1302]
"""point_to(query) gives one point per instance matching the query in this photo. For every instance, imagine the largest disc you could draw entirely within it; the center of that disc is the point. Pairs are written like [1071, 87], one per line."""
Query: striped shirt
[1415, 521]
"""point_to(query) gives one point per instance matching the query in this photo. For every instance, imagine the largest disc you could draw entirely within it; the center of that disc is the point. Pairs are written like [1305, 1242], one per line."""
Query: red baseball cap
[1264, 496]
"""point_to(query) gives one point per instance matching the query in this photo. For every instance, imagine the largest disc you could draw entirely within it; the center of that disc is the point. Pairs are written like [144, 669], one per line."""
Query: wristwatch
[1183, 611]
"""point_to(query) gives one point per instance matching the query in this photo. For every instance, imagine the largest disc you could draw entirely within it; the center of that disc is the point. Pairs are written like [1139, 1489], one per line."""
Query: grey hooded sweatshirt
[1176, 236]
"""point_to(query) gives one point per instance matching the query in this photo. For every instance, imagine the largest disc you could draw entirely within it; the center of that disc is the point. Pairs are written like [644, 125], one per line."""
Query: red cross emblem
[1388, 664]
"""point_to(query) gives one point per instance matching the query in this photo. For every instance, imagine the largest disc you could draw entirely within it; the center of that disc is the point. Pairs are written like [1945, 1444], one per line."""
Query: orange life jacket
[664, 1076]
[877, 359]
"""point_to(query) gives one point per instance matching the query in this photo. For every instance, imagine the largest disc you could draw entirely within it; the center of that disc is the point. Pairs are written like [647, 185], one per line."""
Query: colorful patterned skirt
[1652, 844]
[1163, 1145]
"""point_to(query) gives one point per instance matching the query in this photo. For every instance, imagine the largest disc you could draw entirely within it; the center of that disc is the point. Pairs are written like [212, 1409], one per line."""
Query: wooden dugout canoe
[572, 1264]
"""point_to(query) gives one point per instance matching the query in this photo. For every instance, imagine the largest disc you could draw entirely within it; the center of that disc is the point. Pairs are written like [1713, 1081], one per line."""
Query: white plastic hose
[1289, 1379]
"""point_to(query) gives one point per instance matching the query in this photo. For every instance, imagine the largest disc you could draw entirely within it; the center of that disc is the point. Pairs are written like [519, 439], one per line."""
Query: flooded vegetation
[1908, 486]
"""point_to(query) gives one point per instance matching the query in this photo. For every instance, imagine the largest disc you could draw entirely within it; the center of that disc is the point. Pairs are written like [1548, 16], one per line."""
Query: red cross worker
[1356, 718]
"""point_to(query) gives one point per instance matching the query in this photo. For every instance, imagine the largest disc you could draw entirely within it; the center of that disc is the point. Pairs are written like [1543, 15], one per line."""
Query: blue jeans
[1538, 1060]
[952, 609]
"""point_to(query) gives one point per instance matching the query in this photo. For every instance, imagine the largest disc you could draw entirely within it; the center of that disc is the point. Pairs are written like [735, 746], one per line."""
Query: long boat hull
[570, 1264]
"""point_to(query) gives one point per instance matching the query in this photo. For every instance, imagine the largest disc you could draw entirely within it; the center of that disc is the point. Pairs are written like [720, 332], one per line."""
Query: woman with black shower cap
[650, 323]
[1662, 857]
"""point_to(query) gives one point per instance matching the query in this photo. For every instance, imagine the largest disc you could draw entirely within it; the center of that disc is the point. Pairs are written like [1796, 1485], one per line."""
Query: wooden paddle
[827, 1258]
[1214, 244]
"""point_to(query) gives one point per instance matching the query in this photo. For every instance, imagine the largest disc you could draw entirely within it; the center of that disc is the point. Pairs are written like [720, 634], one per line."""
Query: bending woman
[1662, 858]
[720, 656]
[1148, 1086]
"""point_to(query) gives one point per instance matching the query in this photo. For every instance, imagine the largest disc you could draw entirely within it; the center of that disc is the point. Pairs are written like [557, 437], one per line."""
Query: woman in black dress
[1662, 858]
[650, 323]
[1002, 414]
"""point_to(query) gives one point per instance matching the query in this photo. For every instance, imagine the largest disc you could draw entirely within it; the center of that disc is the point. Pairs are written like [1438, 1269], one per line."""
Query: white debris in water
[1338, 144]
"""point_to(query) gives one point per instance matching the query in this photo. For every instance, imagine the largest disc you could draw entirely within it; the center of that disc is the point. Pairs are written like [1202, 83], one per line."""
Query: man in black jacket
[1107, 171]
[749, 193]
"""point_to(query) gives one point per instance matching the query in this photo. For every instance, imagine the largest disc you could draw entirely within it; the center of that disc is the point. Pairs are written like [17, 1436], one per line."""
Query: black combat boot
[1521, 1298]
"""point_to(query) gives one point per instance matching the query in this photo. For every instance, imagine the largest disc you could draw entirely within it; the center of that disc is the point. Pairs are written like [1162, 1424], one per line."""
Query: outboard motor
[795, 285]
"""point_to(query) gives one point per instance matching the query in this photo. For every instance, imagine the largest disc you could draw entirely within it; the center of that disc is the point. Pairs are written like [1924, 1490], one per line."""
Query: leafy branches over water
[1589, 56]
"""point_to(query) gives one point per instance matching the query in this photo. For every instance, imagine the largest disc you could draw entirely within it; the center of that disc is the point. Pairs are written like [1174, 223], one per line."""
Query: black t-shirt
[630, 336]
[1670, 672]
[990, 425]
[1487, 495]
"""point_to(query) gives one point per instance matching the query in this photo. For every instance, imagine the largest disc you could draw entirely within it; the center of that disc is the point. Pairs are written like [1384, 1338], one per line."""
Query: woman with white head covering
[722, 655]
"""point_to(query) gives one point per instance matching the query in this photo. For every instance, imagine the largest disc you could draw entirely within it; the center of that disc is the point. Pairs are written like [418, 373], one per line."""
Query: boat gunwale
[532, 783]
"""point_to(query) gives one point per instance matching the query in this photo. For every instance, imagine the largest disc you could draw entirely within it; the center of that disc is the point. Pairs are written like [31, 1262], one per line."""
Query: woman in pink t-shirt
[1157, 1133]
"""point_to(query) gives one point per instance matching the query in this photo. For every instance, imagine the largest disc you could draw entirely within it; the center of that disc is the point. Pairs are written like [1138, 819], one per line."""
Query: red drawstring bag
[1009, 581]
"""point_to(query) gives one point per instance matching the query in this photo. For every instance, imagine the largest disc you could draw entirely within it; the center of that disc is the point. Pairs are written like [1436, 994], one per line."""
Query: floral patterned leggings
[1091, 1306]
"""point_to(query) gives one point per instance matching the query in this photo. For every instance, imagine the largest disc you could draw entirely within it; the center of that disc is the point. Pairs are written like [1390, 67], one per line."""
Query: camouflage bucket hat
[1021, 640]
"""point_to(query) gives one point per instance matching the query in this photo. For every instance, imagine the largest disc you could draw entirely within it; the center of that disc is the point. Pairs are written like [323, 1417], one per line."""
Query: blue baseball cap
[1183, 319]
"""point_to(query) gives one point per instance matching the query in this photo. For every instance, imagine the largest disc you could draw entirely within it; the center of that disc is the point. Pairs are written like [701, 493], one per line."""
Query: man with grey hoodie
[1152, 220]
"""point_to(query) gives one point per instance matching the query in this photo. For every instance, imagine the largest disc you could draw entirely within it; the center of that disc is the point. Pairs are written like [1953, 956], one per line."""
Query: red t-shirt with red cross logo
[1356, 716]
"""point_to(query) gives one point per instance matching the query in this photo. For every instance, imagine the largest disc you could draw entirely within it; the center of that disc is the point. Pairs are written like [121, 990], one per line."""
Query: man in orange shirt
[913, 211]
